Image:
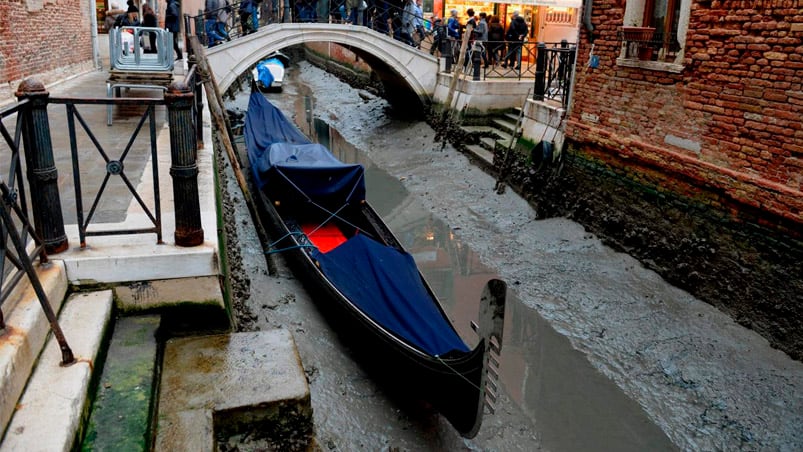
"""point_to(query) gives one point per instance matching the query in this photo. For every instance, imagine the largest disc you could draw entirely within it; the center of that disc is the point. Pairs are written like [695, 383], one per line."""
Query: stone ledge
[229, 382]
[26, 329]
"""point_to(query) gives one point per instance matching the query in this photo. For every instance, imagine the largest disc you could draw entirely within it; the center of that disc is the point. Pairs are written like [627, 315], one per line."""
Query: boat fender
[541, 154]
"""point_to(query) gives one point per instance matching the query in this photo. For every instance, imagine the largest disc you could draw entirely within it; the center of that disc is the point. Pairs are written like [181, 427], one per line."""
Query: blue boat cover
[263, 71]
[381, 281]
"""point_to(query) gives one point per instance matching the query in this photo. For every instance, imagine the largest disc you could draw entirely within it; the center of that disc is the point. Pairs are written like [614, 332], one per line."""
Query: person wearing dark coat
[515, 36]
[172, 24]
[149, 20]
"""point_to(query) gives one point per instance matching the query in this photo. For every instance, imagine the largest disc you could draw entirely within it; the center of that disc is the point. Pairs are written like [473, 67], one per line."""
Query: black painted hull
[454, 385]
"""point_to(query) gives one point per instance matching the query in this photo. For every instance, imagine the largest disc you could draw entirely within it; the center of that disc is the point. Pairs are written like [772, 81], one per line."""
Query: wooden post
[183, 167]
[42, 174]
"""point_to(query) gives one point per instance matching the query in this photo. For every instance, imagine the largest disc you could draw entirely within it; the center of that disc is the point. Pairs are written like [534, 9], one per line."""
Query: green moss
[122, 407]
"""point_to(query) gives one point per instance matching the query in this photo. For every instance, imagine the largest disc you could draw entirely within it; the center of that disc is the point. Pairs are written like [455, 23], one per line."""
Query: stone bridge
[403, 70]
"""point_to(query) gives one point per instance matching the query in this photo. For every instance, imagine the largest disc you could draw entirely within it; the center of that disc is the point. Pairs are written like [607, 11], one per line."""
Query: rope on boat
[271, 245]
[458, 373]
[331, 214]
[289, 248]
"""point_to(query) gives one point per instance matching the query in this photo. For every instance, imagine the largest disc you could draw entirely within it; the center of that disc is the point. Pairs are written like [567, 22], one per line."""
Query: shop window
[654, 34]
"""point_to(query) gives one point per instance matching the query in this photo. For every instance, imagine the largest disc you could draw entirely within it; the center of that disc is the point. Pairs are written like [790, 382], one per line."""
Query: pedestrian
[213, 38]
[246, 10]
[408, 21]
[223, 13]
[453, 33]
[419, 22]
[496, 41]
[438, 35]
[172, 24]
[516, 33]
[111, 15]
[131, 18]
[149, 20]
[471, 29]
[482, 37]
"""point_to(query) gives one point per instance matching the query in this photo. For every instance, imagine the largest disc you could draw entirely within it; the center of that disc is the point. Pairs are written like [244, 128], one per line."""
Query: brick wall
[49, 39]
[730, 124]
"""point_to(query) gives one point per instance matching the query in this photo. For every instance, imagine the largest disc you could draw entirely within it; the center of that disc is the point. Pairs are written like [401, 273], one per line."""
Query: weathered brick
[740, 96]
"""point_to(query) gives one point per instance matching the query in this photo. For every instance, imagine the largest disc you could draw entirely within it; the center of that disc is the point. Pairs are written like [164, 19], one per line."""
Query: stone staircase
[485, 140]
[123, 392]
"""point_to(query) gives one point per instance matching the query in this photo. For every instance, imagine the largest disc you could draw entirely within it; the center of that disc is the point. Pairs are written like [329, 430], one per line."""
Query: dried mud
[707, 382]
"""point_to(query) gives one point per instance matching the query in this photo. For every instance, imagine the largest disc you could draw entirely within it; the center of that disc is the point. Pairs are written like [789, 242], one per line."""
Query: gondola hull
[453, 381]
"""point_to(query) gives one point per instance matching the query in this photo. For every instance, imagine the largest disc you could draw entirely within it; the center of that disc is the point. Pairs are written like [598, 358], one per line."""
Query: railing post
[183, 168]
[41, 168]
[540, 71]
[476, 59]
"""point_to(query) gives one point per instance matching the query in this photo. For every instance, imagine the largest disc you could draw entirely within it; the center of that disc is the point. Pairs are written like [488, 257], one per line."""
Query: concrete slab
[26, 329]
[142, 295]
[51, 411]
[227, 383]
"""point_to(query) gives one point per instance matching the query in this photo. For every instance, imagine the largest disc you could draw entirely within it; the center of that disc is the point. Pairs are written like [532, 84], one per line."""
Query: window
[654, 34]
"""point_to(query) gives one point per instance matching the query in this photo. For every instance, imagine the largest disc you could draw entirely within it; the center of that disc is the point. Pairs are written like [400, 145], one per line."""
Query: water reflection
[574, 406]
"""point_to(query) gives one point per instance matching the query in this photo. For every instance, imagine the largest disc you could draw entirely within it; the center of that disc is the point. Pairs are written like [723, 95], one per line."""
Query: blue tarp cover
[263, 71]
[385, 284]
[381, 281]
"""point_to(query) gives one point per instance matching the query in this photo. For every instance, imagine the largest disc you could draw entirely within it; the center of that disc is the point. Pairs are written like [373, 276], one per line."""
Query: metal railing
[649, 45]
[46, 231]
[17, 231]
[114, 165]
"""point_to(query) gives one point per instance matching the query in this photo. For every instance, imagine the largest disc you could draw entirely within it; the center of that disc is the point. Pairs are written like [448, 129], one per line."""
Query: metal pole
[67, 356]
[540, 71]
[179, 99]
[42, 174]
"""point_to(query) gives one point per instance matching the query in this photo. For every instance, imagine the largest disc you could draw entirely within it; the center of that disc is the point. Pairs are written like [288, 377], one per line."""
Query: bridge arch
[407, 67]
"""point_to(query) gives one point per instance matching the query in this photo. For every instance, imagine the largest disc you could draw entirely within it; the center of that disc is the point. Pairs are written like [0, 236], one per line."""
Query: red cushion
[326, 237]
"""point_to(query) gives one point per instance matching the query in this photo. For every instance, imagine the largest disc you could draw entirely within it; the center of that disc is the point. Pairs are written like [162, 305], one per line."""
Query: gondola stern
[490, 330]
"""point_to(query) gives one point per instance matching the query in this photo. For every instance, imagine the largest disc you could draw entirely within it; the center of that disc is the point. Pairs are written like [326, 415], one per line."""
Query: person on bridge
[482, 37]
[496, 41]
[419, 22]
[408, 21]
[212, 9]
[248, 12]
[172, 15]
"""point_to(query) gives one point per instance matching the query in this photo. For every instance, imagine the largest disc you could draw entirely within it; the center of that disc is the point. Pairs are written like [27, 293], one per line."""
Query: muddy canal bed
[599, 352]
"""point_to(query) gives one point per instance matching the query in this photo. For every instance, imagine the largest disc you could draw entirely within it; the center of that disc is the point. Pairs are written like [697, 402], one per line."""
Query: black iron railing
[648, 44]
[114, 164]
[41, 222]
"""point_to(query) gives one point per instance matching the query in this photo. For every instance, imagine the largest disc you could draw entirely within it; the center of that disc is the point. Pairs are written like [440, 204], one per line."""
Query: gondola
[268, 74]
[315, 210]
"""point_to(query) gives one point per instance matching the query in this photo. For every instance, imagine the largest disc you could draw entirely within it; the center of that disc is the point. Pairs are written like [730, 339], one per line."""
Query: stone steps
[492, 137]
[51, 411]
